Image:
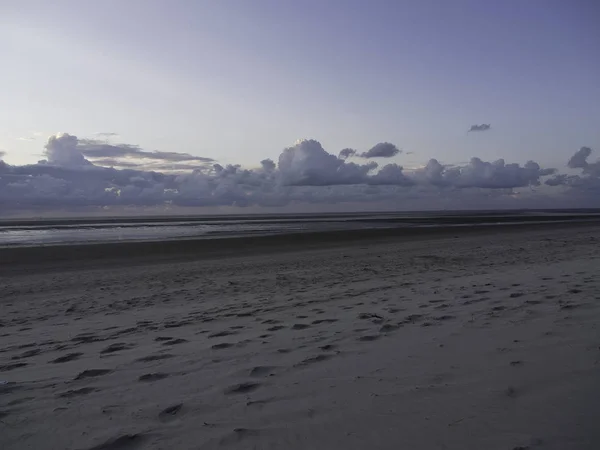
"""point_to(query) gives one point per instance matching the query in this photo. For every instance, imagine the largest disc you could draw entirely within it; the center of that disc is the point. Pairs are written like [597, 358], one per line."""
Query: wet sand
[479, 338]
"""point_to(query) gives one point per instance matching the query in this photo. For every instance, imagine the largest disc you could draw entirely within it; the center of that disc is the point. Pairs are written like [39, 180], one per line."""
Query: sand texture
[478, 341]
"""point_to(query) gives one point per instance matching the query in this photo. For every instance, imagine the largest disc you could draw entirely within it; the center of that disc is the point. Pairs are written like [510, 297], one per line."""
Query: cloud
[308, 164]
[481, 174]
[391, 175]
[115, 162]
[84, 173]
[106, 135]
[580, 161]
[381, 150]
[346, 153]
[2, 154]
[66, 150]
[482, 127]
[583, 187]
[268, 165]
[96, 149]
[61, 150]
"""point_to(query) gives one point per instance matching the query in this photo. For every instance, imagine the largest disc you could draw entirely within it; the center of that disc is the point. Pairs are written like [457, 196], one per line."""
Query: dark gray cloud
[585, 186]
[381, 150]
[2, 154]
[579, 159]
[482, 127]
[268, 165]
[346, 153]
[80, 173]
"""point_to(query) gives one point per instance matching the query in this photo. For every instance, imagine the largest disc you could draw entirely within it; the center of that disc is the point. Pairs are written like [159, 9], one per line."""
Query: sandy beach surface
[461, 339]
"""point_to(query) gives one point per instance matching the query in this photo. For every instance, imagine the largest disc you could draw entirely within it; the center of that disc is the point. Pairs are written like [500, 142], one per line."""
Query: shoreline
[60, 221]
[94, 255]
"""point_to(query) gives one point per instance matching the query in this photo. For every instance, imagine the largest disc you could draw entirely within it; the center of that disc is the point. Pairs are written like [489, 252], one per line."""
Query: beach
[446, 338]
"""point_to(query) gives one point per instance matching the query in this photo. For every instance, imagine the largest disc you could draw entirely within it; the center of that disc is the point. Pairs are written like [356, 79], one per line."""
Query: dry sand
[464, 340]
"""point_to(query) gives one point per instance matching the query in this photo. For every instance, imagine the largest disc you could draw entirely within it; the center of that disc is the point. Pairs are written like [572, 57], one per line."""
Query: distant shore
[148, 252]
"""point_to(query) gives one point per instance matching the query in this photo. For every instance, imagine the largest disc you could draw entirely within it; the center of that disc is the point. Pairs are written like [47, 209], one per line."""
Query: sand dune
[459, 341]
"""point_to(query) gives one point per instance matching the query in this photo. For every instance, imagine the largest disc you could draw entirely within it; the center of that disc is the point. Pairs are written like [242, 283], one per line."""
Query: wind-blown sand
[461, 340]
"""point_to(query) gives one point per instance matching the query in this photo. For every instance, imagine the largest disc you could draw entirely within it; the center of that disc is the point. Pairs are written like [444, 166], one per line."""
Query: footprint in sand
[261, 371]
[369, 338]
[387, 328]
[242, 388]
[8, 367]
[27, 354]
[116, 347]
[153, 376]
[444, 317]
[175, 342]
[319, 321]
[314, 359]
[159, 357]
[125, 442]
[533, 302]
[222, 334]
[68, 357]
[569, 306]
[90, 373]
[270, 321]
[327, 347]
[169, 413]
[77, 392]
[222, 346]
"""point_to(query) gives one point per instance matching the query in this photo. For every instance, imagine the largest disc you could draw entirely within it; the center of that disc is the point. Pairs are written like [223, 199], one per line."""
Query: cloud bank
[83, 173]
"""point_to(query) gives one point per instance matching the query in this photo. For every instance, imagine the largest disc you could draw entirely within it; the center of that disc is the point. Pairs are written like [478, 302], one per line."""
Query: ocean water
[99, 230]
[74, 232]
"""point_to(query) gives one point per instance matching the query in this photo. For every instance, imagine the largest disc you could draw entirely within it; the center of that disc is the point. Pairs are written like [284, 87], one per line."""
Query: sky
[240, 81]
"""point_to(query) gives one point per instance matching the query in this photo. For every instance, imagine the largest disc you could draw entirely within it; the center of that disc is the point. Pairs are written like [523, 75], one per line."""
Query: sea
[70, 231]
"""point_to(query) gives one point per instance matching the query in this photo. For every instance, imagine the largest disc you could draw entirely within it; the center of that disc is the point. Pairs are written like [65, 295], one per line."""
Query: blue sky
[157, 98]
[240, 80]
